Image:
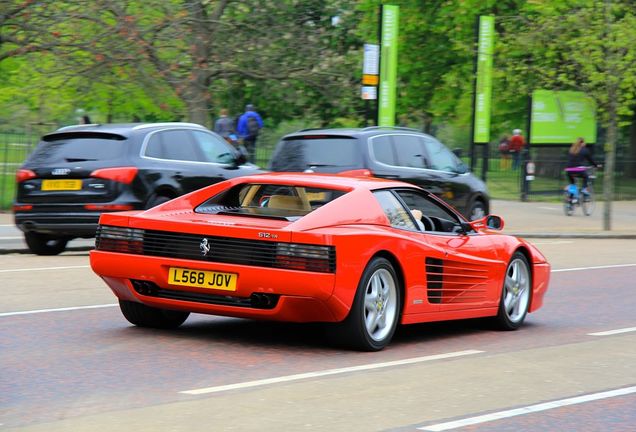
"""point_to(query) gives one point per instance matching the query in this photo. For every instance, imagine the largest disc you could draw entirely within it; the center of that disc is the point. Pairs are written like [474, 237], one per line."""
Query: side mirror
[491, 221]
[241, 156]
[461, 168]
[494, 222]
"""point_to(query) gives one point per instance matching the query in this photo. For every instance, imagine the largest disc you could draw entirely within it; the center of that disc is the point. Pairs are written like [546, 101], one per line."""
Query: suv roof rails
[391, 127]
[161, 124]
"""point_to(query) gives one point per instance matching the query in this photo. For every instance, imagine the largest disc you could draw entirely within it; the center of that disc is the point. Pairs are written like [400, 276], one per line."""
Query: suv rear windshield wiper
[78, 159]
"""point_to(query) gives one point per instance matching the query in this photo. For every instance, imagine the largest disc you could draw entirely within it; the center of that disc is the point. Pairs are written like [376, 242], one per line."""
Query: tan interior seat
[285, 202]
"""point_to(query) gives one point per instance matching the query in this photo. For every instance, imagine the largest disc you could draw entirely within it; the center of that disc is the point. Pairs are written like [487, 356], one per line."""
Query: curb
[574, 235]
[26, 251]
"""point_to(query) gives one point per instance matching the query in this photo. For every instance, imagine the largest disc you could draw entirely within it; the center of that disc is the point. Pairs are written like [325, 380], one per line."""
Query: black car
[78, 172]
[393, 153]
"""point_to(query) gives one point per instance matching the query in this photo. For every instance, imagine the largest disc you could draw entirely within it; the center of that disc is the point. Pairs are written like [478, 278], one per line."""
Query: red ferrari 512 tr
[365, 253]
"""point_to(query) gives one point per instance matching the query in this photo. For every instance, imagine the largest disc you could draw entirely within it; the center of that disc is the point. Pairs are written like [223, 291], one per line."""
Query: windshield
[317, 153]
[269, 200]
[79, 149]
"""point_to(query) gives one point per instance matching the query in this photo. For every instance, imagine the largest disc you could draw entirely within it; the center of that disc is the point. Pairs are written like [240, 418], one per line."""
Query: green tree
[584, 45]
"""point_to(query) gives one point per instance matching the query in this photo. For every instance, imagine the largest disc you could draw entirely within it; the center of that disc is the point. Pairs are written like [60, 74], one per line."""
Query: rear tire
[44, 244]
[587, 202]
[515, 293]
[477, 211]
[146, 316]
[376, 308]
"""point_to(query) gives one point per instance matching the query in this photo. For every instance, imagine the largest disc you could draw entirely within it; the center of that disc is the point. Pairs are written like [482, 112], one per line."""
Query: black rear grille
[221, 249]
[218, 249]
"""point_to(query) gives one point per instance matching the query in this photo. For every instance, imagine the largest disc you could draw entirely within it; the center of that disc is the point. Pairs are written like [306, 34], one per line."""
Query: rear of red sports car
[248, 252]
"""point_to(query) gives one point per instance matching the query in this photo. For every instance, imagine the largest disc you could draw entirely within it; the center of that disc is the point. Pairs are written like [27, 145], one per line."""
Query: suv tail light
[24, 174]
[121, 174]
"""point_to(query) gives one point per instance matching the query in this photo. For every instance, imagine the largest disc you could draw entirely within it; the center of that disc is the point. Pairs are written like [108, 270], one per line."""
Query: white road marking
[6, 314]
[553, 242]
[549, 208]
[43, 269]
[613, 332]
[594, 268]
[528, 410]
[328, 372]
[12, 238]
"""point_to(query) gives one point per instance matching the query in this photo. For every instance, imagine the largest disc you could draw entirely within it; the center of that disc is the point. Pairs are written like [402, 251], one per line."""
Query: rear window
[319, 153]
[79, 149]
[269, 200]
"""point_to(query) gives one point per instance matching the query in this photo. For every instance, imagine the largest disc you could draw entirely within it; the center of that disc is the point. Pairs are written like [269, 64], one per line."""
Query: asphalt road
[12, 239]
[85, 368]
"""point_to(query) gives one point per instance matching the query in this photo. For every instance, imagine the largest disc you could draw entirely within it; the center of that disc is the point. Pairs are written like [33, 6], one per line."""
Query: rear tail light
[25, 207]
[120, 174]
[24, 174]
[119, 239]
[108, 207]
[298, 256]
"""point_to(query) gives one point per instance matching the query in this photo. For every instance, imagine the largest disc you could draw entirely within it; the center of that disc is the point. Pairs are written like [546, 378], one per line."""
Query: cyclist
[578, 155]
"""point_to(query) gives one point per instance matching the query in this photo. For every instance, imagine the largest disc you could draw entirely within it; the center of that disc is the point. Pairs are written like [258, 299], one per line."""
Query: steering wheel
[428, 223]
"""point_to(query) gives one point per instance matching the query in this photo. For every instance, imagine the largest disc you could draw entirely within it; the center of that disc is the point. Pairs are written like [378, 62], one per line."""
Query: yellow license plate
[57, 185]
[202, 279]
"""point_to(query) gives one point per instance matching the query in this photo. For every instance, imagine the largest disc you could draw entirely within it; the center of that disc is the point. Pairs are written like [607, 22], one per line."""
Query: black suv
[78, 172]
[392, 153]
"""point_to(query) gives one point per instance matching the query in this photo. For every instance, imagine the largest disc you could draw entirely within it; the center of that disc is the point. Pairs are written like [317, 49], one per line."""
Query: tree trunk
[630, 166]
[610, 160]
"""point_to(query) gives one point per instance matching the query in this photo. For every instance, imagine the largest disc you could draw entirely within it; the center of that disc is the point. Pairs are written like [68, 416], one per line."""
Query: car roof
[345, 180]
[122, 129]
[354, 132]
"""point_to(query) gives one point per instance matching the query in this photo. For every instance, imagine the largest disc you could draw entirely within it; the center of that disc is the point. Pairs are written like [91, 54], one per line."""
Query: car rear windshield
[317, 153]
[269, 200]
[79, 148]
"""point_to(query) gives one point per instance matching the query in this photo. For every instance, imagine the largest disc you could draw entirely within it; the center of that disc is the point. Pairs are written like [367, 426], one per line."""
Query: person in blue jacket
[249, 125]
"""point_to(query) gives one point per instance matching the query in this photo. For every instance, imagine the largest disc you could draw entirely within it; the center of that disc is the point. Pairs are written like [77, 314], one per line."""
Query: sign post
[388, 65]
[370, 76]
[483, 90]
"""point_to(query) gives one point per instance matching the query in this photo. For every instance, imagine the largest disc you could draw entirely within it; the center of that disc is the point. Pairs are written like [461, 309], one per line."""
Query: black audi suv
[389, 152]
[78, 172]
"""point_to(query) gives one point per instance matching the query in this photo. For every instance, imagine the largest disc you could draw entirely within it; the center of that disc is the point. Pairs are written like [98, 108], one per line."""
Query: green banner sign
[483, 90]
[560, 117]
[388, 65]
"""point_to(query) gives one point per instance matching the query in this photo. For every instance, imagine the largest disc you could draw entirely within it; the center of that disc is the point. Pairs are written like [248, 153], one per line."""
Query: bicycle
[573, 197]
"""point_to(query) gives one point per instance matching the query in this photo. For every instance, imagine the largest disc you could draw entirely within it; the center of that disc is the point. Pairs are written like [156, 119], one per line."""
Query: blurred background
[300, 64]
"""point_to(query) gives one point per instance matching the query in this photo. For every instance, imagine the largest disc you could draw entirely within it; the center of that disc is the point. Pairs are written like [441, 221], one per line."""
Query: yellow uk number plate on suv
[202, 279]
[58, 185]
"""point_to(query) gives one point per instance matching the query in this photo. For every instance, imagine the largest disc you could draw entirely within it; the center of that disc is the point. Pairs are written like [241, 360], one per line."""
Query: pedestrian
[516, 146]
[504, 153]
[224, 125]
[249, 125]
[579, 158]
[85, 120]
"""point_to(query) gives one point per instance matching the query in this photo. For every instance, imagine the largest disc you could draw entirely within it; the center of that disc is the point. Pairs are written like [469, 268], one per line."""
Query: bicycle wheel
[568, 205]
[588, 202]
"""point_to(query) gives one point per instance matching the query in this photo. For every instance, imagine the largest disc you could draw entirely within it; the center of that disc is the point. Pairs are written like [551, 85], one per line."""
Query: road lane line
[528, 410]
[6, 314]
[43, 269]
[593, 268]
[613, 332]
[12, 238]
[328, 372]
